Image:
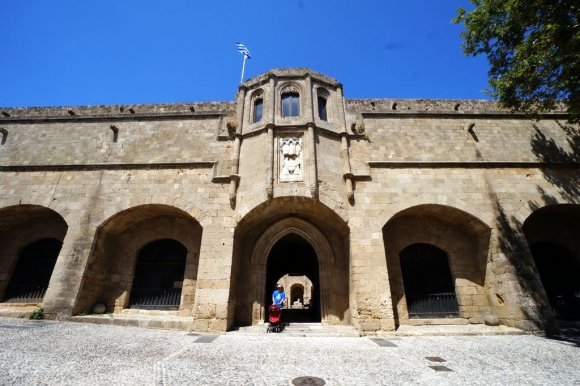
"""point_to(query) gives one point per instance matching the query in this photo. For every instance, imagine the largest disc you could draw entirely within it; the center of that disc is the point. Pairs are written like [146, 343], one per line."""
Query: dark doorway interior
[159, 276]
[32, 272]
[429, 287]
[294, 256]
[561, 278]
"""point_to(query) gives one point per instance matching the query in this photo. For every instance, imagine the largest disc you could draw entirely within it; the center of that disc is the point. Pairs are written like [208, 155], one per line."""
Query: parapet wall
[127, 110]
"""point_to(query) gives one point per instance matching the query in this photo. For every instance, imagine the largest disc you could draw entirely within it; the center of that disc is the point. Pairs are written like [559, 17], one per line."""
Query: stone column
[213, 276]
[312, 168]
[270, 161]
[234, 178]
[516, 295]
[308, 100]
[65, 282]
[344, 150]
[272, 84]
[371, 304]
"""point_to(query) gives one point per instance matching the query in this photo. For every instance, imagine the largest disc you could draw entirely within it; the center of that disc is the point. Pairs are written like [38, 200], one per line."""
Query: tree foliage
[533, 48]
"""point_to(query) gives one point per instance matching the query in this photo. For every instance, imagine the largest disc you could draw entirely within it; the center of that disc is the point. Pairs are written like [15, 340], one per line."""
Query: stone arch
[109, 274]
[21, 226]
[486, 218]
[464, 238]
[263, 248]
[181, 204]
[296, 226]
[297, 293]
[275, 220]
[553, 235]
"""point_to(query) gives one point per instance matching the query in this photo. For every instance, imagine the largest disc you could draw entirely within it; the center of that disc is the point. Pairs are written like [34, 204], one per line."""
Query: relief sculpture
[291, 159]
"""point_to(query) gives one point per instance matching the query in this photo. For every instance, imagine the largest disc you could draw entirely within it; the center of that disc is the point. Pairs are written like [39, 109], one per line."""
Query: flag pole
[243, 68]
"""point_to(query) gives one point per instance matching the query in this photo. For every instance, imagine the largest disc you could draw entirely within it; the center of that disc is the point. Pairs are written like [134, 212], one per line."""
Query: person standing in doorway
[279, 297]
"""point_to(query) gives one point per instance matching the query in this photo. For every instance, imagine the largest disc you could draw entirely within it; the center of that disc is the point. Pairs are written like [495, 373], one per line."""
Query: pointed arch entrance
[295, 247]
[290, 241]
[293, 257]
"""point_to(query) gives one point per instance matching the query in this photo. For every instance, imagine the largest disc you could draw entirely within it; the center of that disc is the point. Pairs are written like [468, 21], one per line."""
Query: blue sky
[80, 52]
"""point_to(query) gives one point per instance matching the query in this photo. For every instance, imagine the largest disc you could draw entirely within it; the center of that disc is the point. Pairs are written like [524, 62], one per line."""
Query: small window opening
[290, 104]
[322, 109]
[115, 131]
[258, 110]
[4, 135]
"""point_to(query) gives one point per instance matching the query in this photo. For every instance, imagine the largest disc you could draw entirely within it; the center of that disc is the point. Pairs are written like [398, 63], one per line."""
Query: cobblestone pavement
[63, 353]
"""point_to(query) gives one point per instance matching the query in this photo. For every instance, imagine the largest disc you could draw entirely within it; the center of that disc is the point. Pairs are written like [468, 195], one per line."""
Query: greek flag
[243, 50]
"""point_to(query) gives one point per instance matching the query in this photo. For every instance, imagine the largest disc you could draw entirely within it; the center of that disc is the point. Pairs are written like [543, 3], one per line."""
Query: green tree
[533, 48]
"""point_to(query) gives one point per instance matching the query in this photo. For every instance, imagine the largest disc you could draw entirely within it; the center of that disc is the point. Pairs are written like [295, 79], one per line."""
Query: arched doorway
[437, 260]
[317, 233]
[159, 276]
[144, 257]
[429, 286]
[33, 270]
[553, 234]
[31, 237]
[297, 295]
[294, 256]
[560, 277]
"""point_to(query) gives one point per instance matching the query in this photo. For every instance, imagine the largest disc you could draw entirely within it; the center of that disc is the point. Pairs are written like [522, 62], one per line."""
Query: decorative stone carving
[257, 94]
[291, 165]
[290, 88]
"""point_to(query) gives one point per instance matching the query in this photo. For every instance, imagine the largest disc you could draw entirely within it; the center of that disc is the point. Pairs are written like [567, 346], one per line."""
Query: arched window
[429, 287]
[322, 108]
[258, 110]
[32, 272]
[297, 294]
[159, 276]
[290, 104]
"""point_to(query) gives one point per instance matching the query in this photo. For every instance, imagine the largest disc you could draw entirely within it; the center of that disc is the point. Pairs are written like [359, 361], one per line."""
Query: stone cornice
[470, 164]
[108, 166]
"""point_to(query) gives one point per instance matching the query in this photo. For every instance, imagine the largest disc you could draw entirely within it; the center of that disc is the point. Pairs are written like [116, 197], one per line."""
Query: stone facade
[332, 192]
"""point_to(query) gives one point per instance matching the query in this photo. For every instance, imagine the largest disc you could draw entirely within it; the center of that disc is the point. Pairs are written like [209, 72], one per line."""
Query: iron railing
[433, 305]
[156, 298]
[24, 293]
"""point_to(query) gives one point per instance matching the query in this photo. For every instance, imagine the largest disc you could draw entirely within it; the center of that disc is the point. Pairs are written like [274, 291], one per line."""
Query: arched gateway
[290, 245]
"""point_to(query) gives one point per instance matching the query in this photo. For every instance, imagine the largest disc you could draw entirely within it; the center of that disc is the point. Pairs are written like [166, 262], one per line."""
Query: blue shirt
[279, 297]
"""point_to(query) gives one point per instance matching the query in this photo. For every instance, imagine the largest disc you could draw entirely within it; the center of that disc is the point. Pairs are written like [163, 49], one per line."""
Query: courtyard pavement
[64, 353]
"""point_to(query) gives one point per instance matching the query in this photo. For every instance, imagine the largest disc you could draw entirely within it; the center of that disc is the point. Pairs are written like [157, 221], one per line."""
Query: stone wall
[460, 175]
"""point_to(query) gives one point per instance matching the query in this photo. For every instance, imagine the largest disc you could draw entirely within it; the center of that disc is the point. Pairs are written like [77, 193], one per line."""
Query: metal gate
[429, 287]
[32, 272]
[159, 276]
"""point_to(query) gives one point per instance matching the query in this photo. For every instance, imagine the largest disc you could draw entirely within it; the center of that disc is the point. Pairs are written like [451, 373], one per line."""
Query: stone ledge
[436, 322]
[454, 330]
[169, 322]
[17, 310]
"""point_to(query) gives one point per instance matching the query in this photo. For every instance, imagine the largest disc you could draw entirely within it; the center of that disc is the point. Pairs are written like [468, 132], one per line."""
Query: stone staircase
[301, 330]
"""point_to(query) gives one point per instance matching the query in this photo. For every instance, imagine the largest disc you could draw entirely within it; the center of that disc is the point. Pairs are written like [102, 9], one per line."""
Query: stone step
[165, 322]
[301, 330]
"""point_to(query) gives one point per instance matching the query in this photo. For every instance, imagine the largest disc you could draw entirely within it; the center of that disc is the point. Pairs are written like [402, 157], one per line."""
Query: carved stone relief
[291, 163]
[290, 88]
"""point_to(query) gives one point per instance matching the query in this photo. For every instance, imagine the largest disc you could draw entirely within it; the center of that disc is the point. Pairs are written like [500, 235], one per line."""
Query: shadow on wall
[547, 150]
[564, 176]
